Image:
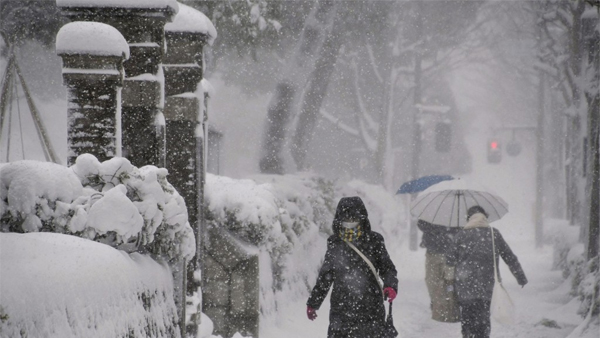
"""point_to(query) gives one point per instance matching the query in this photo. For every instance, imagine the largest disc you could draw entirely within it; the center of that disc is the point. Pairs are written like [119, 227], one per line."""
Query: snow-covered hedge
[55, 285]
[111, 202]
[584, 275]
[585, 280]
[289, 219]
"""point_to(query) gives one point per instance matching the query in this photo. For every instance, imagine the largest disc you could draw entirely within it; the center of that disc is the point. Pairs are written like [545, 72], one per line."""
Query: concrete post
[142, 25]
[92, 55]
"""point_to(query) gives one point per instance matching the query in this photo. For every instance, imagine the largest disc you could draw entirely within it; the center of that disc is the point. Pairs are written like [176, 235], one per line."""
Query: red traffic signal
[494, 152]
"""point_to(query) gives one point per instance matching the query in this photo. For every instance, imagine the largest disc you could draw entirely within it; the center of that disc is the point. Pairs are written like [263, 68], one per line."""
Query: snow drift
[55, 285]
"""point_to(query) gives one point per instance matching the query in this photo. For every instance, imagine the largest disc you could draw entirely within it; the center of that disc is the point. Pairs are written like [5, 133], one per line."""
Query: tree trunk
[593, 98]
[281, 107]
[594, 178]
[316, 90]
[575, 151]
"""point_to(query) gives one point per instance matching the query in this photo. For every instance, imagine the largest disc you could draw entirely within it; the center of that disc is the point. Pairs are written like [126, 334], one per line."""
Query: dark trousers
[475, 318]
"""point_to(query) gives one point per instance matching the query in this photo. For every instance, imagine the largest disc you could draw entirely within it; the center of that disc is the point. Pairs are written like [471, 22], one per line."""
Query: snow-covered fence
[93, 55]
[158, 117]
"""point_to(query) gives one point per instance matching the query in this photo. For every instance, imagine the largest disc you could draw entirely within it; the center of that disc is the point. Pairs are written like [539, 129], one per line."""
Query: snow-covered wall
[55, 285]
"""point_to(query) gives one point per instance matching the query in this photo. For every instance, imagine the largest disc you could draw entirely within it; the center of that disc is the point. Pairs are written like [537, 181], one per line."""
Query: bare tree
[299, 64]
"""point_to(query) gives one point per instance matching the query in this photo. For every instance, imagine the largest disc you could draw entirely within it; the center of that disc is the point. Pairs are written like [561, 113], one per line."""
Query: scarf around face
[351, 235]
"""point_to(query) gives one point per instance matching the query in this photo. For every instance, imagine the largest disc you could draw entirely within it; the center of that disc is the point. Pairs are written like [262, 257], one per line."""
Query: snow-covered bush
[585, 280]
[563, 237]
[569, 257]
[588, 289]
[289, 219]
[111, 202]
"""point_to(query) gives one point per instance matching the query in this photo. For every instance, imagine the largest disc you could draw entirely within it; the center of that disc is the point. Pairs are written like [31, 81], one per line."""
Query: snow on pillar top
[190, 20]
[91, 38]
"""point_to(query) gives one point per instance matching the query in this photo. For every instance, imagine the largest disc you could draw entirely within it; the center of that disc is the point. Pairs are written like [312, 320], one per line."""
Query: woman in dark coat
[474, 272]
[357, 309]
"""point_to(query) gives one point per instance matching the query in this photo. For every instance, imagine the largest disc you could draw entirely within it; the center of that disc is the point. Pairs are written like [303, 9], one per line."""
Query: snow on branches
[113, 202]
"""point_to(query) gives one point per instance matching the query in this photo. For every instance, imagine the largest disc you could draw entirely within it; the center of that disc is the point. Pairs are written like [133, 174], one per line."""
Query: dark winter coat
[437, 239]
[474, 275]
[357, 309]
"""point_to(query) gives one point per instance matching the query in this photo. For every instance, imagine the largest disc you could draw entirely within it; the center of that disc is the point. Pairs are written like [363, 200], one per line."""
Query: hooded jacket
[474, 274]
[357, 309]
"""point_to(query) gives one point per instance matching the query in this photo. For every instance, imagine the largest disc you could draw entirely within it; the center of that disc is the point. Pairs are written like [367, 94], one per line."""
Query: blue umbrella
[422, 183]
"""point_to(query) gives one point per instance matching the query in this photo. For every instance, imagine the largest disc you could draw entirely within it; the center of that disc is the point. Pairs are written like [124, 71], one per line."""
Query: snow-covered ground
[545, 297]
[80, 273]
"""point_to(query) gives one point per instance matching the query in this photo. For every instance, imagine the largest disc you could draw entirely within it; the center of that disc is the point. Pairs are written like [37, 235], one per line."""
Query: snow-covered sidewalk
[545, 299]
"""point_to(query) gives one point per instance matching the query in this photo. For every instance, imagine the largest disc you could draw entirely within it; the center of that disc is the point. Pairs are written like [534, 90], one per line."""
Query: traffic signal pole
[413, 235]
[539, 166]
[494, 156]
[413, 231]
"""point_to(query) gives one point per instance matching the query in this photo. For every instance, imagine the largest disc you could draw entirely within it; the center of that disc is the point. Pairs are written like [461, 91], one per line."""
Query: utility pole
[539, 165]
[416, 136]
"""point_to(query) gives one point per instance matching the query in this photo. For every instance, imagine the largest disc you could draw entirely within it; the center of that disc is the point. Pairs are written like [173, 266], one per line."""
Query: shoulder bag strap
[494, 255]
[368, 263]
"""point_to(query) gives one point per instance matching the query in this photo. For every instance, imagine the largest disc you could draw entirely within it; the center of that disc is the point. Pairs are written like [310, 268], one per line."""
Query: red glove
[311, 313]
[389, 294]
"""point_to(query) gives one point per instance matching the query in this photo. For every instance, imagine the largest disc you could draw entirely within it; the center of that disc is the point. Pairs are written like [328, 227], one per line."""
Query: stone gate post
[142, 24]
[92, 55]
[184, 113]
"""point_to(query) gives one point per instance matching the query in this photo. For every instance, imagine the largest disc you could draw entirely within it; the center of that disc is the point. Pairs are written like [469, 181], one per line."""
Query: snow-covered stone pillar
[93, 55]
[142, 24]
[184, 112]
[184, 99]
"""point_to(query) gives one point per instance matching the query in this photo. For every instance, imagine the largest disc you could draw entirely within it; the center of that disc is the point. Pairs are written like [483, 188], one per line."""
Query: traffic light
[443, 137]
[494, 152]
[513, 148]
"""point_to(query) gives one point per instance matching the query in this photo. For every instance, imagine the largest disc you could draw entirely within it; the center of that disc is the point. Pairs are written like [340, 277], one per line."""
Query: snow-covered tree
[26, 20]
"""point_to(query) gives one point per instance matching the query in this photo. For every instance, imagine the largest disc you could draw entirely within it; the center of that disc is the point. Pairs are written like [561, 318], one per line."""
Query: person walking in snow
[357, 308]
[474, 271]
[438, 240]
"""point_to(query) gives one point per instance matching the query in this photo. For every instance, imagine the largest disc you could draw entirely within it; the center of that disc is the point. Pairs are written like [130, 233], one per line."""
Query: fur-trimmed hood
[478, 220]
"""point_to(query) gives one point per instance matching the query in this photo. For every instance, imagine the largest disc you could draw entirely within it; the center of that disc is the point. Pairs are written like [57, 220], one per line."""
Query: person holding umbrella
[438, 240]
[355, 259]
[477, 248]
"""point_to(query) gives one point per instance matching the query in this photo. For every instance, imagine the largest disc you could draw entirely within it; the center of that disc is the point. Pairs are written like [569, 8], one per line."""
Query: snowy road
[545, 297]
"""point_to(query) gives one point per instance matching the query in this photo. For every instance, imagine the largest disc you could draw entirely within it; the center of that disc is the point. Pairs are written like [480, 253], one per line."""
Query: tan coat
[439, 277]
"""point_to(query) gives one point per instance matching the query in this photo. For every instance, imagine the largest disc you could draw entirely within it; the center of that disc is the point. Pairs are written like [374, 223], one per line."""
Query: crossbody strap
[379, 282]
[494, 255]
